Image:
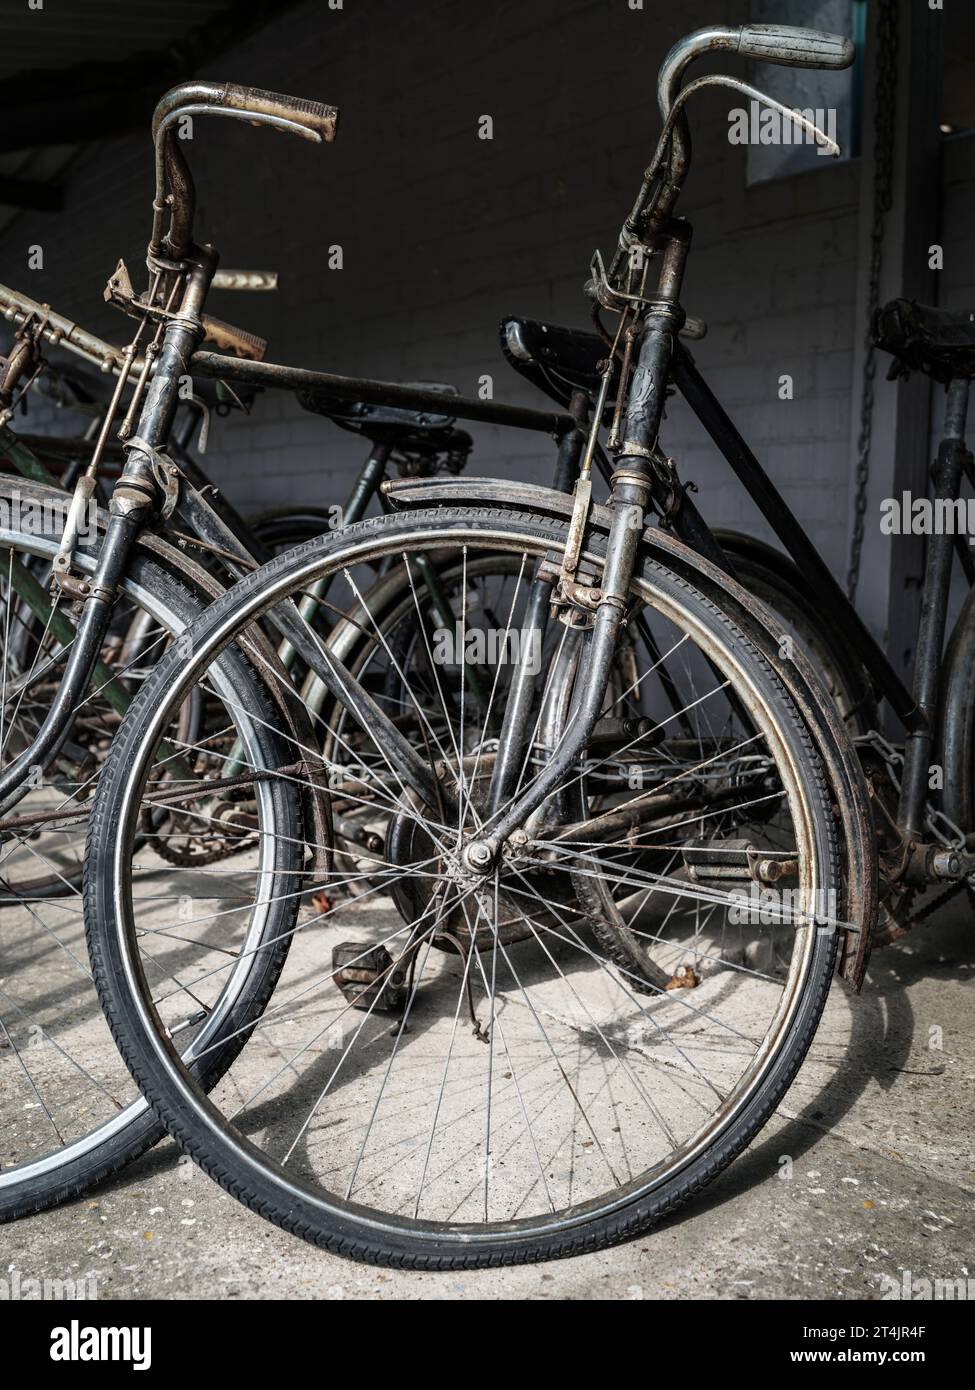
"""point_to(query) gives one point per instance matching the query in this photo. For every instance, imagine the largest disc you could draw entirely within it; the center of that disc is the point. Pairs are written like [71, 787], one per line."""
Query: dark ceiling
[95, 68]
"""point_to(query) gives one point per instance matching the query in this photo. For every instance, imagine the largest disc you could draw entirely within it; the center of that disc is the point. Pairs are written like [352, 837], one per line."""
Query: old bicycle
[71, 1114]
[162, 546]
[595, 918]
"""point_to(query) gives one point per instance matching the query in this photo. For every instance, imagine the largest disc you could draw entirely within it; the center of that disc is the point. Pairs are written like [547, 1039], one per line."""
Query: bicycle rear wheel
[771, 577]
[543, 1058]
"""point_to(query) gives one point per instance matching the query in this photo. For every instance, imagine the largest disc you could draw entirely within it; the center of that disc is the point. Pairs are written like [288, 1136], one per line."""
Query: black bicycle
[583, 938]
[70, 1112]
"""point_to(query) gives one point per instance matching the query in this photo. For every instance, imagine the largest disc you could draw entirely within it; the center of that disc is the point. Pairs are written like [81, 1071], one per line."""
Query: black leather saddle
[922, 338]
[415, 431]
[422, 441]
[557, 360]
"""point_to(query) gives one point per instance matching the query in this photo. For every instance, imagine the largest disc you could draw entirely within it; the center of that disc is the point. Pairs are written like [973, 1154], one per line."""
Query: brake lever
[720, 79]
[204, 437]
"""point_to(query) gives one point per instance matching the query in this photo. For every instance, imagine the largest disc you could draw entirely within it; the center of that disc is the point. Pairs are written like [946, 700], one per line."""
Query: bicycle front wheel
[70, 1114]
[461, 1069]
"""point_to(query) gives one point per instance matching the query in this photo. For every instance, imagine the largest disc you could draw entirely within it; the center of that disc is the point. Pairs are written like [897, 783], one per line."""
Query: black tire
[281, 528]
[70, 1170]
[344, 1228]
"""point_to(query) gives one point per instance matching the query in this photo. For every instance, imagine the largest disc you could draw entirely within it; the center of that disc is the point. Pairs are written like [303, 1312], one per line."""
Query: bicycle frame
[638, 481]
[204, 511]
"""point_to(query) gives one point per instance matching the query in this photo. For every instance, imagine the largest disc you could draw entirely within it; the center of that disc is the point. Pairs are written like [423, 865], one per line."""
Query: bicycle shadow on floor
[882, 1026]
[303, 1092]
[863, 1039]
[425, 1013]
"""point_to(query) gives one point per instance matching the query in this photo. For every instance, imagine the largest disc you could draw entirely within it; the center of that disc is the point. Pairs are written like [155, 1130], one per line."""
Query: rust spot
[685, 977]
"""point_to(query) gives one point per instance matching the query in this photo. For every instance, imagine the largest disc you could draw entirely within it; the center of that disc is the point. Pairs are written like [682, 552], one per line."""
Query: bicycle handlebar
[768, 43]
[254, 280]
[796, 48]
[312, 120]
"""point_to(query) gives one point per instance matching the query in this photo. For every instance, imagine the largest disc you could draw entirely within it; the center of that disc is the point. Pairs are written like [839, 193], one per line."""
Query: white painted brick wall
[444, 233]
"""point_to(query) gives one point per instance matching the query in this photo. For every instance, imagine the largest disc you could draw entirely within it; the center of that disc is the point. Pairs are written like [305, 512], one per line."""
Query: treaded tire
[347, 1230]
[143, 1129]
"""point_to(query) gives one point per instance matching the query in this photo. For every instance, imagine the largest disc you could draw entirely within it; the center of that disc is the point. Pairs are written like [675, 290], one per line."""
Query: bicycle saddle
[922, 338]
[381, 421]
[558, 360]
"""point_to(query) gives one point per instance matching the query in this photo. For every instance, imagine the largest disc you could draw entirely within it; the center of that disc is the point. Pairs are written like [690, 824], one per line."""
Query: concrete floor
[867, 1171]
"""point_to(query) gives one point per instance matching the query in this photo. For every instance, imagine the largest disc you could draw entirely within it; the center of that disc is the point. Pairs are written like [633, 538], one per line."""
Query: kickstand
[480, 1033]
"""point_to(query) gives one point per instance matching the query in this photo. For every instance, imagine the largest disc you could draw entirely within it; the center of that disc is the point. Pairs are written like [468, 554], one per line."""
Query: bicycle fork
[632, 489]
[133, 499]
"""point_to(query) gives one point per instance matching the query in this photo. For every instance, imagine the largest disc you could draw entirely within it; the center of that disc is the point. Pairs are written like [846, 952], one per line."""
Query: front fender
[842, 765]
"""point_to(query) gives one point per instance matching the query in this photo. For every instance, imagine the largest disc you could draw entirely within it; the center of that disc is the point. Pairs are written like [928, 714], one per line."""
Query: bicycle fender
[205, 587]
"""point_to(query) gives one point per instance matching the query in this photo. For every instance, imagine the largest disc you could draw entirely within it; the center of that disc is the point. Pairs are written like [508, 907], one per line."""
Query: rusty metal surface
[283, 378]
[255, 281]
[60, 331]
[228, 338]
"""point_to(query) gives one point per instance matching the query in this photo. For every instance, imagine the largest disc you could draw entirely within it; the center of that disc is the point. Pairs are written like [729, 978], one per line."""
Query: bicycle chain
[189, 858]
[885, 115]
[906, 919]
[938, 825]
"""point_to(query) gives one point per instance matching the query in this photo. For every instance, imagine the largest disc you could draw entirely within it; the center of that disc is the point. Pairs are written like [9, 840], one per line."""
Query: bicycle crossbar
[821, 585]
[392, 393]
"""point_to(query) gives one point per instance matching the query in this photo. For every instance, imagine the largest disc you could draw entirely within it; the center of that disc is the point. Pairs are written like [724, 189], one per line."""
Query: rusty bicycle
[70, 1113]
[582, 942]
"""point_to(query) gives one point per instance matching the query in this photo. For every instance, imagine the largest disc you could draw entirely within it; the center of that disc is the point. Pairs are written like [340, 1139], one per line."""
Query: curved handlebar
[316, 120]
[768, 43]
[312, 120]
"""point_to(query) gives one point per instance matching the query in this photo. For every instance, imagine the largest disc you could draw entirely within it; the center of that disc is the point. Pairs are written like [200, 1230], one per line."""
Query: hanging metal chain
[884, 120]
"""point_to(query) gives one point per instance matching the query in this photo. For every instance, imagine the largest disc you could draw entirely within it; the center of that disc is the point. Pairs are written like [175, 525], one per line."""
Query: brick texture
[442, 233]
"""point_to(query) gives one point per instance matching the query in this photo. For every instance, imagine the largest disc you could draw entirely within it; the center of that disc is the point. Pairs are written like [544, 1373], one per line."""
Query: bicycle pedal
[368, 977]
[684, 977]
